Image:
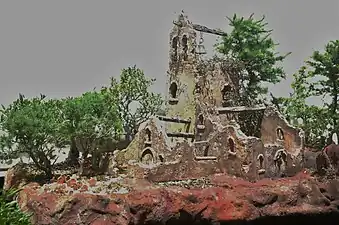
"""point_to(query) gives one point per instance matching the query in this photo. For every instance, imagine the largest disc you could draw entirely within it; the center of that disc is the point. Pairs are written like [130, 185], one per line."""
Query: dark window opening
[147, 156]
[226, 90]
[173, 90]
[149, 134]
[185, 46]
[175, 47]
[280, 134]
[226, 95]
[161, 158]
[284, 157]
[201, 119]
[261, 160]
[175, 42]
[206, 150]
[280, 156]
[231, 145]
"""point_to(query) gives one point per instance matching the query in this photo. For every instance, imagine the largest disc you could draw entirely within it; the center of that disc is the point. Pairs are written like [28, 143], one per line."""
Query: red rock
[103, 221]
[60, 189]
[84, 188]
[72, 183]
[61, 179]
[15, 176]
[92, 182]
[238, 200]
[77, 186]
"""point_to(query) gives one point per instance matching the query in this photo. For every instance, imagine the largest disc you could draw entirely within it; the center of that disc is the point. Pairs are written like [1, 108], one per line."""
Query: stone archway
[147, 156]
[280, 134]
[280, 160]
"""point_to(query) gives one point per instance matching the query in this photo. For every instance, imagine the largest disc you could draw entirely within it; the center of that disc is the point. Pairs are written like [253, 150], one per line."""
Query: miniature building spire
[181, 73]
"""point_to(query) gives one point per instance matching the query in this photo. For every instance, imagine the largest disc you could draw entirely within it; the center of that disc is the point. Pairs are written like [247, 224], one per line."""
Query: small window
[225, 91]
[261, 160]
[175, 48]
[175, 42]
[161, 158]
[231, 145]
[148, 135]
[280, 156]
[185, 46]
[280, 134]
[173, 90]
[201, 119]
[147, 156]
[206, 150]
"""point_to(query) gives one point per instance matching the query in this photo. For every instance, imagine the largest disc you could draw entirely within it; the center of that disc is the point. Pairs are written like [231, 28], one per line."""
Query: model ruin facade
[202, 132]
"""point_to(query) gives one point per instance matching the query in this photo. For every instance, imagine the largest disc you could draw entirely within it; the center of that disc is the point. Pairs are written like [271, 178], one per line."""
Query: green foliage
[249, 43]
[318, 78]
[133, 91]
[31, 126]
[90, 120]
[10, 214]
[38, 127]
[324, 67]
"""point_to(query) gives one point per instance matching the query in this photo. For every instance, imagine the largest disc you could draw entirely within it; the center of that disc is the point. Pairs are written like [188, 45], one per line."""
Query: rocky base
[218, 199]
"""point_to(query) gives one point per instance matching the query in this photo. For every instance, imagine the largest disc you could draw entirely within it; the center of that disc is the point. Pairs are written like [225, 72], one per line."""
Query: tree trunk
[73, 154]
[334, 106]
[42, 163]
[95, 160]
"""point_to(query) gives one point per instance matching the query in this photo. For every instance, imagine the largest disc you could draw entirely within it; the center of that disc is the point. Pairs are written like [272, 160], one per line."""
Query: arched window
[175, 42]
[175, 47]
[225, 90]
[226, 95]
[173, 90]
[148, 135]
[261, 160]
[161, 158]
[280, 134]
[201, 119]
[147, 156]
[200, 123]
[184, 46]
[231, 145]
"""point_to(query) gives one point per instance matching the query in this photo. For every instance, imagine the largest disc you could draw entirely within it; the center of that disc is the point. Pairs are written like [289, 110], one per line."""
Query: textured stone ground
[218, 198]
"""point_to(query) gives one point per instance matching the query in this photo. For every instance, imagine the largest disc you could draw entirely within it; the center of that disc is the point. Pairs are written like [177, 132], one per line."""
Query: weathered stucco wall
[236, 153]
[271, 123]
[215, 85]
[280, 162]
[185, 107]
[181, 73]
[150, 145]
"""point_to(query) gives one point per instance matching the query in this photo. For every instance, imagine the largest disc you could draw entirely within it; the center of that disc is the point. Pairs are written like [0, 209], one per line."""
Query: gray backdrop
[64, 47]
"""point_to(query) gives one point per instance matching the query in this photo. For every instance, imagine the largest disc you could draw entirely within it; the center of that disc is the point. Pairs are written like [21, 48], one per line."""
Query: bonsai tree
[319, 77]
[32, 127]
[250, 44]
[89, 121]
[136, 103]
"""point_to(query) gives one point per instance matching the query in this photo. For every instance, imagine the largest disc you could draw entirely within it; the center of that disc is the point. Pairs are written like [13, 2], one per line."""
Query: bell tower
[181, 74]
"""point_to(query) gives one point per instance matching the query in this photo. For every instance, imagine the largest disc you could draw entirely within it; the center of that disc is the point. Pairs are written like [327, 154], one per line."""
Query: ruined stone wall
[150, 145]
[181, 73]
[235, 153]
[215, 85]
[275, 129]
